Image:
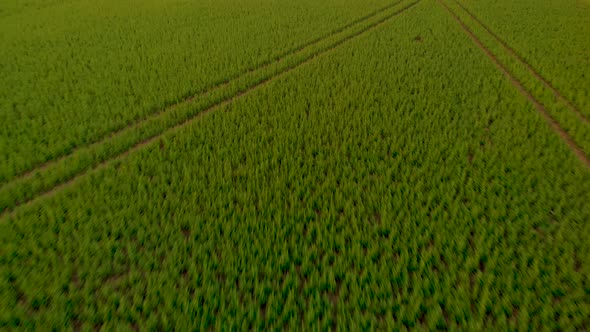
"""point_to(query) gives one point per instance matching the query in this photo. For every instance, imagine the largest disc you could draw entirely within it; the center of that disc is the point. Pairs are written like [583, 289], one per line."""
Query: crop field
[303, 165]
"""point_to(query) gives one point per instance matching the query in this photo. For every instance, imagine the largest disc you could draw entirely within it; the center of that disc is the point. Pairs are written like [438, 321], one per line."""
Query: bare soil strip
[246, 91]
[192, 95]
[530, 68]
[554, 124]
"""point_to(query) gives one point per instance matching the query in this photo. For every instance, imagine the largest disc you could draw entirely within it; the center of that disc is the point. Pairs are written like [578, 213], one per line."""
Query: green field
[303, 165]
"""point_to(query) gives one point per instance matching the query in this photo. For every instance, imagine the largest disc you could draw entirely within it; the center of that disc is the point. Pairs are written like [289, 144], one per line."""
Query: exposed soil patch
[184, 274]
[75, 279]
[430, 243]
[76, 324]
[445, 315]
[482, 266]
[263, 311]
[114, 279]
[318, 213]
[471, 240]
[470, 156]
[221, 277]
[422, 318]
[577, 263]
[377, 218]
[515, 313]
[186, 232]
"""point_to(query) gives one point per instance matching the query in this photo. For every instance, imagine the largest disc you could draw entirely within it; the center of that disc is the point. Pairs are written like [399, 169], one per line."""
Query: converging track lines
[226, 101]
[530, 68]
[189, 97]
[516, 83]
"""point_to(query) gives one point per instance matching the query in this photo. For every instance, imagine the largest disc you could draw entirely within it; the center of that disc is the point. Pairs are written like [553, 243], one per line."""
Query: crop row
[65, 169]
[559, 95]
[550, 36]
[568, 122]
[395, 183]
[75, 71]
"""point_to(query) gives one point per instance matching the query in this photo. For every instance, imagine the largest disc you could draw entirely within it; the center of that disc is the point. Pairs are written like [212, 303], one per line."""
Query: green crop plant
[75, 71]
[396, 180]
[550, 36]
[59, 171]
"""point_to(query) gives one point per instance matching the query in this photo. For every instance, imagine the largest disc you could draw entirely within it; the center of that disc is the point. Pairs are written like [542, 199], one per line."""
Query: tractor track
[251, 88]
[518, 85]
[584, 118]
[192, 96]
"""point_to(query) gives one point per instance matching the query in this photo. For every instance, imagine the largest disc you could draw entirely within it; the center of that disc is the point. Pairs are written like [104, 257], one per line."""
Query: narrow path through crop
[192, 95]
[530, 68]
[243, 92]
[554, 124]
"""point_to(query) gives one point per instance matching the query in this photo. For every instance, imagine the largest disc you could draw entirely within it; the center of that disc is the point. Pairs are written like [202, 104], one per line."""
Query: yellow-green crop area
[303, 165]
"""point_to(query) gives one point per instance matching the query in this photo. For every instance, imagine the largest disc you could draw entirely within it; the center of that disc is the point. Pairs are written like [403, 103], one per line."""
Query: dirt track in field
[50, 192]
[554, 124]
[530, 68]
[215, 86]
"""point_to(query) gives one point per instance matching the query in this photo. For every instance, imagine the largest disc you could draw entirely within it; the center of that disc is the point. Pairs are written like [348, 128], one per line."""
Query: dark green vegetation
[551, 35]
[572, 119]
[392, 178]
[44, 178]
[68, 82]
